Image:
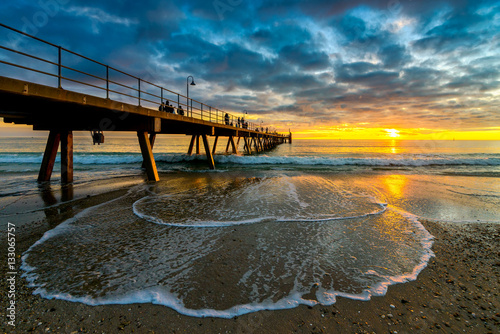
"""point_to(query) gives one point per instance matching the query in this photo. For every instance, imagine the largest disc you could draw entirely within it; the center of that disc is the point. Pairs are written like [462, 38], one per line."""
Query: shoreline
[457, 291]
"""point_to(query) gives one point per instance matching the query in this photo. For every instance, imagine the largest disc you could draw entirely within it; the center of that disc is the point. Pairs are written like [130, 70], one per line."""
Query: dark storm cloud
[462, 28]
[281, 35]
[394, 56]
[302, 56]
[355, 56]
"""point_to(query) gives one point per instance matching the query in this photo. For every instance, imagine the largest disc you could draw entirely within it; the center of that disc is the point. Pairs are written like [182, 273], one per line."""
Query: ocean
[301, 224]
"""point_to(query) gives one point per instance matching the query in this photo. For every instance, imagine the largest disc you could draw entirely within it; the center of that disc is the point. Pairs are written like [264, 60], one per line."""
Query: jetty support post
[191, 144]
[247, 146]
[198, 144]
[67, 156]
[208, 152]
[147, 156]
[65, 139]
[152, 139]
[230, 141]
[254, 139]
[49, 157]
[215, 144]
[233, 145]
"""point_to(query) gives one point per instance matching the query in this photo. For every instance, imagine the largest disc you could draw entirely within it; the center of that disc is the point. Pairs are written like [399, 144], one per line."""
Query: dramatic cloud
[380, 63]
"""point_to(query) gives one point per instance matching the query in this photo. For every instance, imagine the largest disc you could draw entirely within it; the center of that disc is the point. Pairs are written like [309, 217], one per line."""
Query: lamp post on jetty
[187, 88]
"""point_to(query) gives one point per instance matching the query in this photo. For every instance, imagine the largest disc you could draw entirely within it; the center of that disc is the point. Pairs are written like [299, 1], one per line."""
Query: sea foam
[108, 254]
[415, 160]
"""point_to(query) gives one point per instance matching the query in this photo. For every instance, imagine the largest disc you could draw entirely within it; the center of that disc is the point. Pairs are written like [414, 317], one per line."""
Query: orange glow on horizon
[393, 133]
[343, 131]
[356, 132]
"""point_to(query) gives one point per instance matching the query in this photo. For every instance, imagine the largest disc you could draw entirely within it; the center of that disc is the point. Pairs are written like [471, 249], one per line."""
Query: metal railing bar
[25, 34]
[28, 68]
[122, 94]
[28, 55]
[82, 56]
[83, 83]
[127, 74]
[81, 72]
[150, 94]
[122, 85]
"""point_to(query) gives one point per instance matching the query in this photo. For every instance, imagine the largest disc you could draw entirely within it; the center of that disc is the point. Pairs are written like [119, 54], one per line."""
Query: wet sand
[457, 292]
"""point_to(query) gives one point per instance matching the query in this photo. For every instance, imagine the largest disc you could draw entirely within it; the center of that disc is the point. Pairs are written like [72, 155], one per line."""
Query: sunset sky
[323, 69]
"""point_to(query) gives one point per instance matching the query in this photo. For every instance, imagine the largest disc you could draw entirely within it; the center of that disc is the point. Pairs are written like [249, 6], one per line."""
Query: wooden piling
[210, 158]
[147, 156]
[246, 147]
[233, 145]
[228, 143]
[67, 156]
[49, 157]
[152, 139]
[190, 149]
[215, 144]
[255, 144]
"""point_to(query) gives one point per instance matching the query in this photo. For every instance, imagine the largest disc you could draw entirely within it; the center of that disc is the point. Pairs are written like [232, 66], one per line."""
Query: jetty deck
[77, 100]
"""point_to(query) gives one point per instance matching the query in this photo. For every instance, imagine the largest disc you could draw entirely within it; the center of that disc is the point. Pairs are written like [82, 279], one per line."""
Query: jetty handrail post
[201, 112]
[59, 67]
[139, 90]
[178, 101]
[161, 95]
[210, 113]
[107, 81]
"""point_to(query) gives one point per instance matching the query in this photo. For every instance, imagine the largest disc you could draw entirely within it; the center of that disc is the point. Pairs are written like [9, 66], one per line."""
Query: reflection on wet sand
[447, 198]
[52, 210]
[395, 185]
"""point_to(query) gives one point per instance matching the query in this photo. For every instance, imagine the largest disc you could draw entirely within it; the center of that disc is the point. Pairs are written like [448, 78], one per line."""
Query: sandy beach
[457, 292]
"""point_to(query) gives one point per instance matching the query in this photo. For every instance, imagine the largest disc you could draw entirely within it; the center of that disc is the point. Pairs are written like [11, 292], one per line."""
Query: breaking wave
[400, 161]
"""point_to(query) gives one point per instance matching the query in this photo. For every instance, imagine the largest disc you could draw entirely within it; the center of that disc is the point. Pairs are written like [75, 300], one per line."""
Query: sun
[393, 133]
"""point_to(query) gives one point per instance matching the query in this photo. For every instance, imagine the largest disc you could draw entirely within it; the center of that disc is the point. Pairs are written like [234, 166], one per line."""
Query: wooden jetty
[122, 106]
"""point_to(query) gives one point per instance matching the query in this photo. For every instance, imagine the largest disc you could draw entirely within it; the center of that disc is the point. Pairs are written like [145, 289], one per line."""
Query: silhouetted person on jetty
[180, 111]
[226, 119]
[168, 108]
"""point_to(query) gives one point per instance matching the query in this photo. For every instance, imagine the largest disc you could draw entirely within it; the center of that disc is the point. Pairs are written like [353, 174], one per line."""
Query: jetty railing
[129, 88]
